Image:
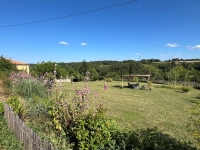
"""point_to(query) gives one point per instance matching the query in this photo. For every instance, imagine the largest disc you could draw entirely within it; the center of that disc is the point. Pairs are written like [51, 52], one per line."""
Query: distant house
[21, 65]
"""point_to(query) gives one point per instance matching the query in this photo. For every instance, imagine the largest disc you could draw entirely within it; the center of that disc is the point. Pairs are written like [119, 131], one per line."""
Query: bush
[1, 108]
[108, 79]
[6, 67]
[7, 86]
[8, 140]
[14, 102]
[185, 89]
[27, 86]
[92, 131]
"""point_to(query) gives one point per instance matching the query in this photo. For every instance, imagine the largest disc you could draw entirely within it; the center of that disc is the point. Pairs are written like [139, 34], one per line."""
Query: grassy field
[166, 109]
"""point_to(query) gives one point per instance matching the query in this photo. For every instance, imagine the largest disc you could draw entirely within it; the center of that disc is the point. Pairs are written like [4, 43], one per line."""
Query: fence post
[30, 139]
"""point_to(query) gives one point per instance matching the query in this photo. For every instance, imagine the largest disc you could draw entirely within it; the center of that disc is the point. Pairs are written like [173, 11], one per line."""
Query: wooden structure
[26, 135]
[137, 75]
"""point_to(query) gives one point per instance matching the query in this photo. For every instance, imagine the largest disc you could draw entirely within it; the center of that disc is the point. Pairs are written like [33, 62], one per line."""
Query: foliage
[6, 67]
[7, 86]
[151, 138]
[92, 131]
[135, 79]
[1, 108]
[27, 86]
[68, 113]
[49, 80]
[41, 68]
[93, 74]
[84, 67]
[108, 79]
[185, 89]
[149, 85]
[8, 140]
[64, 111]
[16, 106]
[37, 109]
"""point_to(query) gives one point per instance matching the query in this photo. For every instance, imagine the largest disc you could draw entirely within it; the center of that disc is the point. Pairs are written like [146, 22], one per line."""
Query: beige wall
[23, 68]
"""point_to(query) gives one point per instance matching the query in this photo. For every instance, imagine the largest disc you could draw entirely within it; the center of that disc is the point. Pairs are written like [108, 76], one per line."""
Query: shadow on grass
[179, 91]
[120, 87]
[151, 139]
[194, 101]
[198, 88]
[197, 97]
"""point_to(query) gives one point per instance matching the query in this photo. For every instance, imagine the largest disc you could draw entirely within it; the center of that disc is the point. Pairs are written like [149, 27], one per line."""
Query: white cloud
[64, 43]
[83, 44]
[194, 47]
[172, 45]
[137, 53]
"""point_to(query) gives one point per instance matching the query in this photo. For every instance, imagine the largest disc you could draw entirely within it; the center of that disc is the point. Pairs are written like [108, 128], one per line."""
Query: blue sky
[144, 29]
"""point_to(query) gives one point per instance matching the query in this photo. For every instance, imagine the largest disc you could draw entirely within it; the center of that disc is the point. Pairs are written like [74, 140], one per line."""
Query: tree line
[169, 70]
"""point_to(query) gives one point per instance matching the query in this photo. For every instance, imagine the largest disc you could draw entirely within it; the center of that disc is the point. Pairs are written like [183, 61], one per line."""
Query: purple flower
[105, 87]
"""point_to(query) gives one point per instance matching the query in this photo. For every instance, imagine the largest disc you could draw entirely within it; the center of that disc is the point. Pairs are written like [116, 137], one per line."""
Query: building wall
[23, 68]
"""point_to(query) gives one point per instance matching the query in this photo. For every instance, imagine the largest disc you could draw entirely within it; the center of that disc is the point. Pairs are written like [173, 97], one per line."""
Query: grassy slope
[8, 140]
[168, 109]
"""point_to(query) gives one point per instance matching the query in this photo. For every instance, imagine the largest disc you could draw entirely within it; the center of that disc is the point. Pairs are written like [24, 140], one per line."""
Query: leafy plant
[6, 67]
[17, 107]
[1, 108]
[92, 131]
[108, 79]
[185, 89]
[8, 140]
[27, 86]
[149, 85]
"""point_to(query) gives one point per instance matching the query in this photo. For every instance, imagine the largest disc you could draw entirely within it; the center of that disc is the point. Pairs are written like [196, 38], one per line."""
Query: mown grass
[166, 108]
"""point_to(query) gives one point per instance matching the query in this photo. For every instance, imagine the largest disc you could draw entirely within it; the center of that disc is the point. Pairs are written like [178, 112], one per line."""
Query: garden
[102, 115]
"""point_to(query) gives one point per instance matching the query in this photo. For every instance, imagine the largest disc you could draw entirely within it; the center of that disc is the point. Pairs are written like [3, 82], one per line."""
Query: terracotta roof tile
[17, 62]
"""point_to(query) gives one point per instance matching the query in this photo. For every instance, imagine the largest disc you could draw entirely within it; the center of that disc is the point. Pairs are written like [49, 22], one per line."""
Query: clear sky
[144, 29]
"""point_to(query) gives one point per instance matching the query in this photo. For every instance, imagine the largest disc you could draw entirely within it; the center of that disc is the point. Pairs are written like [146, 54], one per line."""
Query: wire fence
[26, 135]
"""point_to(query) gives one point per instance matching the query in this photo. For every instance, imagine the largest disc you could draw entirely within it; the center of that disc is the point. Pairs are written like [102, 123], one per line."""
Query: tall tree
[84, 68]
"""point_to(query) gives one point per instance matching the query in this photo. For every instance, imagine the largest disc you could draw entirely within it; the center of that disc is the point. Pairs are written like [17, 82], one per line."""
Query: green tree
[6, 67]
[93, 74]
[84, 68]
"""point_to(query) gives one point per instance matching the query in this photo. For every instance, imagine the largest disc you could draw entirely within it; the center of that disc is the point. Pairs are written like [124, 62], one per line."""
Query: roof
[17, 62]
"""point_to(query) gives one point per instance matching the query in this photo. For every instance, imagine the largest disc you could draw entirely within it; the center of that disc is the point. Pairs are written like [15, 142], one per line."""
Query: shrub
[1, 108]
[78, 116]
[92, 131]
[8, 140]
[108, 79]
[149, 85]
[37, 109]
[185, 89]
[14, 102]
[6, 67]
[27, 86]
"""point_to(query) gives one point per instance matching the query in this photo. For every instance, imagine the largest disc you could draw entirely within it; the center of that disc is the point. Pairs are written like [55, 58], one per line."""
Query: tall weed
[27, 86]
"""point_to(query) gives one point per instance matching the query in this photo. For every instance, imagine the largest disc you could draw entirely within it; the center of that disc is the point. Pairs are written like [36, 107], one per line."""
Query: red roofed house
[21, 65]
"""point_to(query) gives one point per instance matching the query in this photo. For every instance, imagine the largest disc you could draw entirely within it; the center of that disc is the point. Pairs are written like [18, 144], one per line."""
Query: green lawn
[167, 109]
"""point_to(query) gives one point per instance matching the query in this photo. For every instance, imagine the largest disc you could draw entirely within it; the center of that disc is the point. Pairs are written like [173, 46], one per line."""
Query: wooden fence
[30, 139]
